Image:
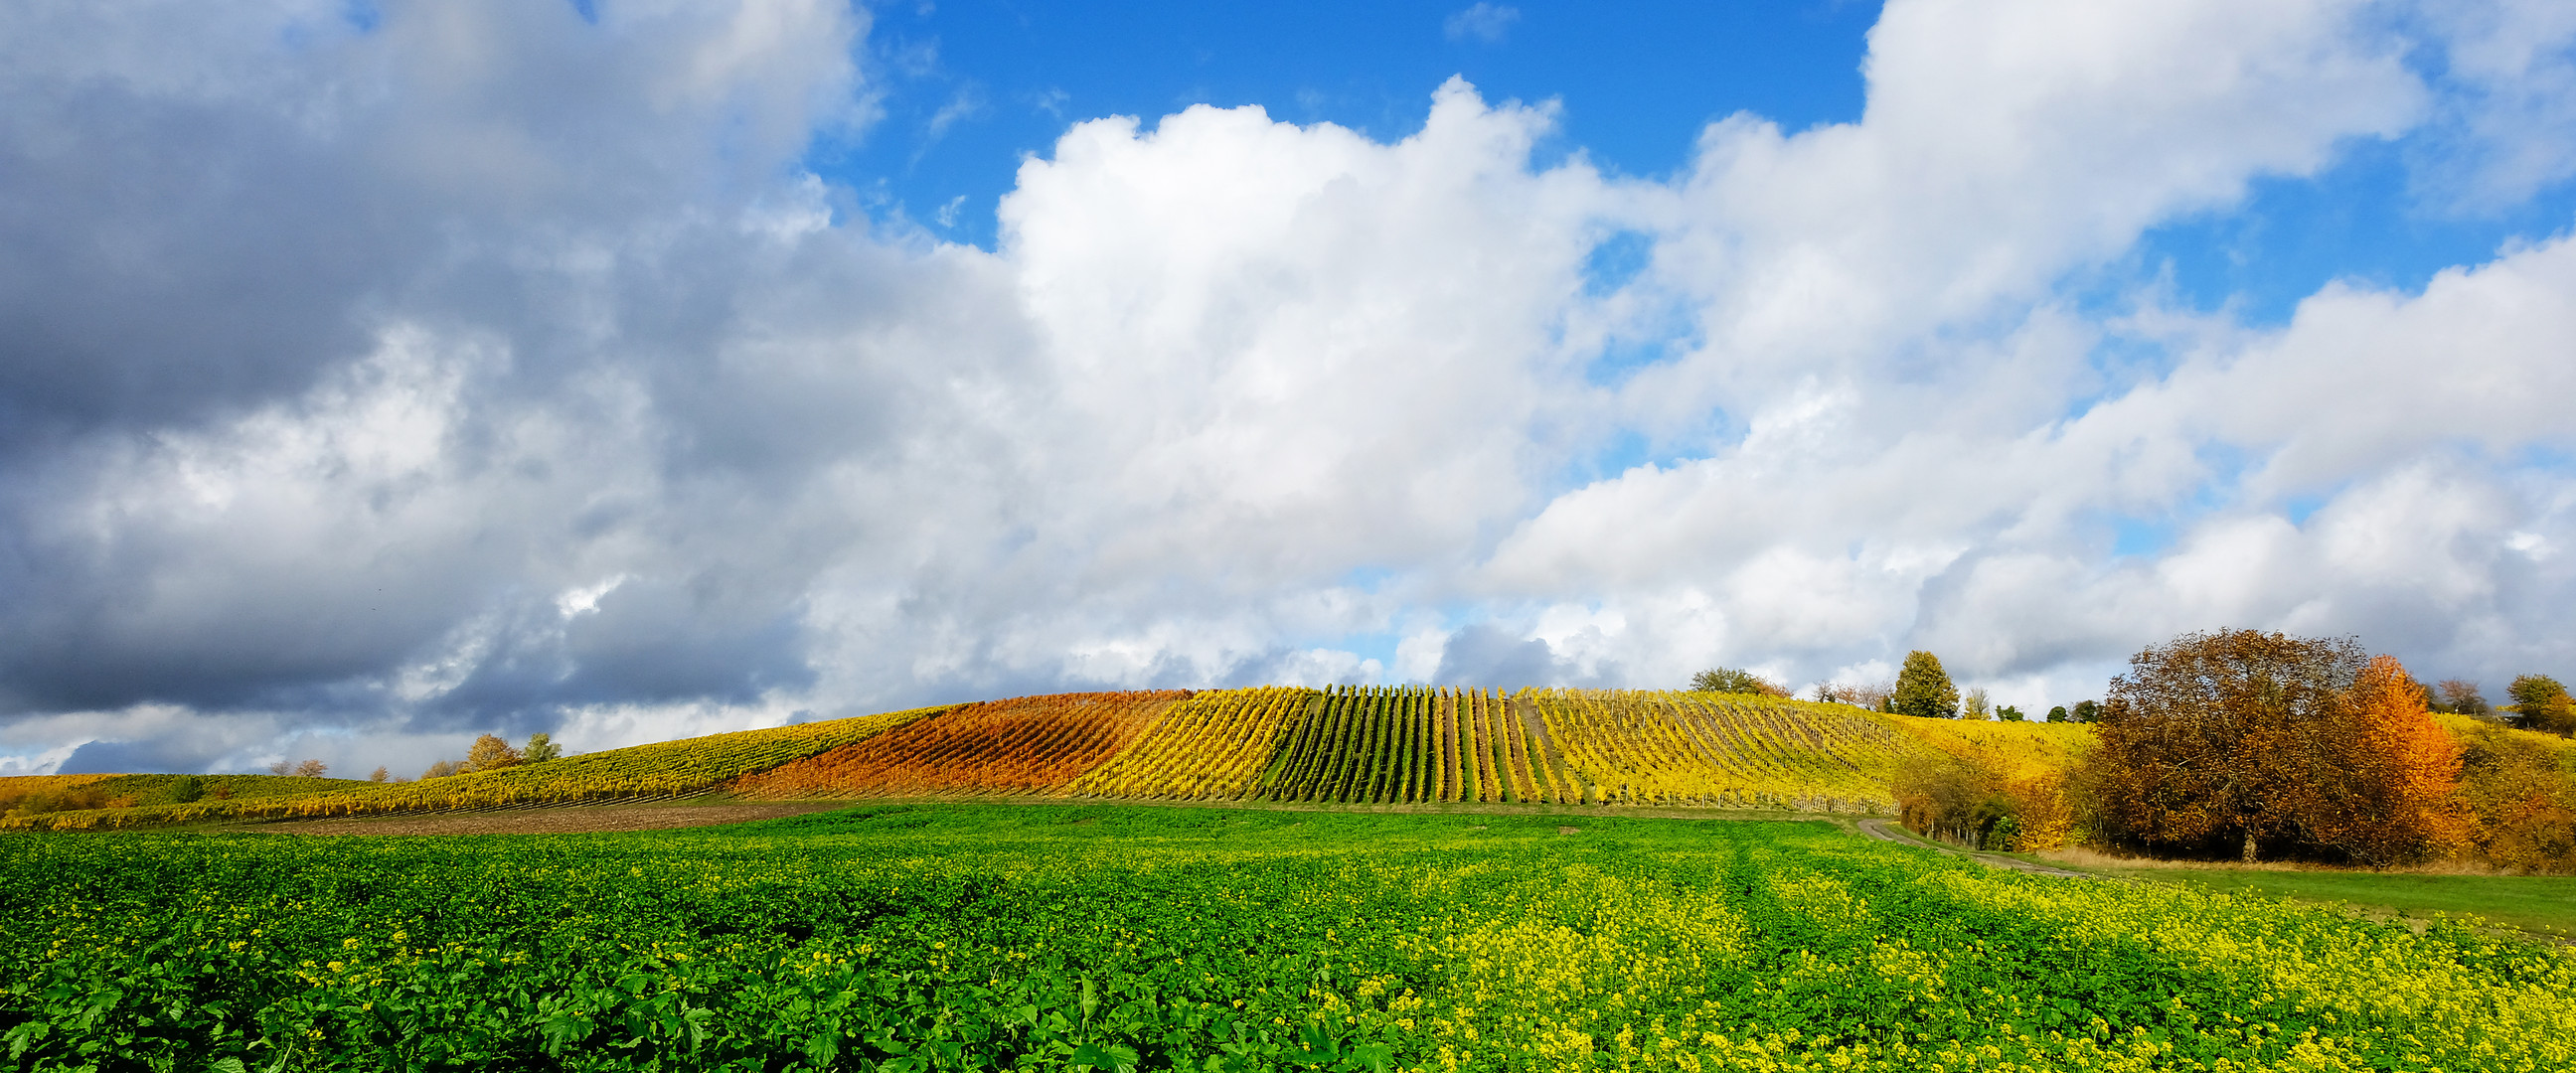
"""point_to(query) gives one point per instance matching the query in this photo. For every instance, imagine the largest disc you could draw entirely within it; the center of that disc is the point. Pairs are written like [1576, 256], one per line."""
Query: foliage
[2010, 714]
[2227, 739]
[541, 748]
[2026, 763]
[490, 753]
[1869, 695]
[311, 769]
[2059, 714]
[2462, 697]
[1028, 745]
[2086, 711]
[1731, 680]
[2380, 785]
[440, 769]
[1976, 704]
[2521, 787]
[1121, 939]
[1950, 798]
[2543, 704]
[1923, 689]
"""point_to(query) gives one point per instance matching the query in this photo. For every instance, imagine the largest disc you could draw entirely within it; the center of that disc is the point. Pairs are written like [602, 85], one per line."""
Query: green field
[1060, 937]
[2542, 904]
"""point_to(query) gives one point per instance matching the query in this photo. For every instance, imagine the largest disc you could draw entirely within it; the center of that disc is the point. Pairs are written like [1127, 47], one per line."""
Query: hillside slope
[1408, 745]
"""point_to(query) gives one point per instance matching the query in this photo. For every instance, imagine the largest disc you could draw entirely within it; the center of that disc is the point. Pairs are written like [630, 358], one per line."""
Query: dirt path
[1888, 831]
[569, 819]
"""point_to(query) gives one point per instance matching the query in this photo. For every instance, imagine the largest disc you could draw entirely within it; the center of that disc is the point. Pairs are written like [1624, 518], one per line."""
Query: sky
[374, 375]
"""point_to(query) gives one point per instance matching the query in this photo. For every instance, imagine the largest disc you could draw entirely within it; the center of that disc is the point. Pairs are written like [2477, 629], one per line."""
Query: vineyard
[1210, 747]
[1409, 746]
[661, 770]
[976, 936]
[1723, 750]
[1023, 746]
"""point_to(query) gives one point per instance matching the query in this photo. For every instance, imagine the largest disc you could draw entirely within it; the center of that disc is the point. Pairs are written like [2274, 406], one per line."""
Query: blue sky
[972, 87]
[373, 376]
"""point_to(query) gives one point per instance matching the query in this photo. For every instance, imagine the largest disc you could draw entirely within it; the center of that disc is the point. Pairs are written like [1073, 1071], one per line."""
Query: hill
[1409, 745]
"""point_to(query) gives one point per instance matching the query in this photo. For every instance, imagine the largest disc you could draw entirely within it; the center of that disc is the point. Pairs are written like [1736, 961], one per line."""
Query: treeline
[2252, 746]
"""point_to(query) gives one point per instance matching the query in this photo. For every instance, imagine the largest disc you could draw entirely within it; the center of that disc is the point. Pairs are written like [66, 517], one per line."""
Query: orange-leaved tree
[2385, 779]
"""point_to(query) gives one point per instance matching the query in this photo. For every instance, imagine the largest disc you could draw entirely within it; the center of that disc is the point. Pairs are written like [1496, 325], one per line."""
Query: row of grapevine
[1722, 750]
[1209, 747]
[1022, 746]
[1414, 745]
[660, 770]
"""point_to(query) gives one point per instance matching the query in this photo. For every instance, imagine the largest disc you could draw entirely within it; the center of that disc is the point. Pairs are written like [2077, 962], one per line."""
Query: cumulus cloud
[366, 387]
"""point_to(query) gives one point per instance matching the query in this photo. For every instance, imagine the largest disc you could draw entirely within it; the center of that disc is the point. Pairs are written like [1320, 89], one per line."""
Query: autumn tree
[441, 769]
[380, 775]
[2240, 737]
[2462, 696]
[2384, 782]
[1923, 689]
[312, 769]
[490, 753]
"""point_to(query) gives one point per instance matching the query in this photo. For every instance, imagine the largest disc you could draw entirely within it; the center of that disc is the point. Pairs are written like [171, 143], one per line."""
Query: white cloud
[1486, 22]
[625, 432]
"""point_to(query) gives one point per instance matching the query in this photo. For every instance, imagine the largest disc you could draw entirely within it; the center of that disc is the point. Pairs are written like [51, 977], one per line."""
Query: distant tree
[2224, 740]
[2087, 711]
[184, 789]
[2059, 714]
[2543, 704]
[2461, 696]
[1923, 689]
[1975, 704]
[442, 769]
[540, 749]
[1870, 695]
[1731, 680]
[2010, 714]
[312, 769]
[281, 767]
[380, 774]
[490, 753]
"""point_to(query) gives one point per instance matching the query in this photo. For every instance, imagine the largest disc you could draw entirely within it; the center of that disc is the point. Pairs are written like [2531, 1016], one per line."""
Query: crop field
[1027, 745]
[1067, 937]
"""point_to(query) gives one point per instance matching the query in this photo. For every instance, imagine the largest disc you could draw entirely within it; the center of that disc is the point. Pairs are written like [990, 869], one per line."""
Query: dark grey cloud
[1484, 654]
